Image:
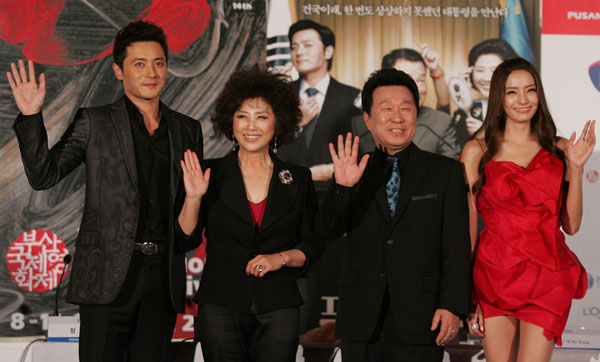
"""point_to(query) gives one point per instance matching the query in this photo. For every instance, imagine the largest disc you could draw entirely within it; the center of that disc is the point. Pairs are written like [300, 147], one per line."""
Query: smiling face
[417, 72]
[482, 72]
[393, 119]
[254, 125]
[144, 71]
[520, 97]
[309, 54]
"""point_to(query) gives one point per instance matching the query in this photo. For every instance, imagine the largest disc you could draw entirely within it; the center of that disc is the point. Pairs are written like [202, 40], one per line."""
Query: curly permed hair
[258, 82]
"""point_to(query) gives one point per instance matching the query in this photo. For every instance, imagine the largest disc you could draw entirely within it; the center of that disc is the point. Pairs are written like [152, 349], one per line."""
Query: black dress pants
[138, 325]
[384, 345]
[230, 336]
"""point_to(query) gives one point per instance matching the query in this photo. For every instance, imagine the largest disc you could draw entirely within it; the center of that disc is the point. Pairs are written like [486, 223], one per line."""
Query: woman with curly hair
[256, 212]
[527, 183]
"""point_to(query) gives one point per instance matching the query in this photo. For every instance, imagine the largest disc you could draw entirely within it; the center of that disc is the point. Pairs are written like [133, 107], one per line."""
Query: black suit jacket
[334, 119]
[101, 138]
[232, 239]
[422, 255]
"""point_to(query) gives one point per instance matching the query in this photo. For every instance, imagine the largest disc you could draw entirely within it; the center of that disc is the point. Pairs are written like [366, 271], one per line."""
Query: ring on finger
[475, 326]
[260, 267]
[453, 331]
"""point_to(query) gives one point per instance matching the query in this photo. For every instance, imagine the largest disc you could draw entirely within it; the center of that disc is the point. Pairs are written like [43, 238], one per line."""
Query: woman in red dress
[527, 184]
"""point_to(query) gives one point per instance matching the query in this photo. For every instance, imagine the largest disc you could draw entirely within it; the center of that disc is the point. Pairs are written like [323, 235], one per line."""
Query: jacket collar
[121, 122]
[280, 196]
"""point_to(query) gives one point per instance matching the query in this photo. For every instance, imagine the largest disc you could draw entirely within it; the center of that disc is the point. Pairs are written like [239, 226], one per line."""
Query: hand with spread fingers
[346, 170]
[579, 152]
[448, 323]
[194, 180]
[28, 96]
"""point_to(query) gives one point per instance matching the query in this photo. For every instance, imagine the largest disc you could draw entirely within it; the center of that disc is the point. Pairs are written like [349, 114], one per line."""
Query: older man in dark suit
[405, 279]
[128, 272]
[435, 130]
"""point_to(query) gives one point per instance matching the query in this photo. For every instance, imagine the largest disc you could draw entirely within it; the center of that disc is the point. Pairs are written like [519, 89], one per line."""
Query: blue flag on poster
[514, 30]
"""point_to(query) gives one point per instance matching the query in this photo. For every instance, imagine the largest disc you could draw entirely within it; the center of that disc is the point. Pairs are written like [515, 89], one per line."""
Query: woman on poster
[484, 57]
[256, 212]
[527, 183]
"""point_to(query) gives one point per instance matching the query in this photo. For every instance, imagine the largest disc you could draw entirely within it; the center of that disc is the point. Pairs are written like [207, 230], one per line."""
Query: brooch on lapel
[285, 176]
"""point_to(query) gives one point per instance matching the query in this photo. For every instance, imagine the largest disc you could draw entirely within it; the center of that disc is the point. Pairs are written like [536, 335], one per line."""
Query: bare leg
[500, 341]
[534, 346]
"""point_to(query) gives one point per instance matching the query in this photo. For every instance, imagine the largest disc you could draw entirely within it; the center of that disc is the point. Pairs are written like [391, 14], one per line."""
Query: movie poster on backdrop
[450, 47]
[71, 43]
[571, 75]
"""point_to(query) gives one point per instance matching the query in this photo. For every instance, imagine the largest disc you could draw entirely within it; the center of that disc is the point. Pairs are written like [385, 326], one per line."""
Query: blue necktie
[309, 129]
[393, 185]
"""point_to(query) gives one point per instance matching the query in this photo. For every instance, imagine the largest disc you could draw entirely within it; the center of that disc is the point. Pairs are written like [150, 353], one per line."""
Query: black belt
[151, 248]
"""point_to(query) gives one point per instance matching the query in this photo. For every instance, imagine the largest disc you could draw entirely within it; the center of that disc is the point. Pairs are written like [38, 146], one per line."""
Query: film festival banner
[70, 41]
[461, 42]
[571, 74]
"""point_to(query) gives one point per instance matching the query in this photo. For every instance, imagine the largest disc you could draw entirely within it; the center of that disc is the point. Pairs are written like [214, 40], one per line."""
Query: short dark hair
[257, 82]
[135, 32]
[496, 46]
[404, 53]
[387, 77]
[327, 36]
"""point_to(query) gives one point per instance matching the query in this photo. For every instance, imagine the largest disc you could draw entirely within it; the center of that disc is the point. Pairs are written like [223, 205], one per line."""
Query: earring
[232, 142]
[275, 145]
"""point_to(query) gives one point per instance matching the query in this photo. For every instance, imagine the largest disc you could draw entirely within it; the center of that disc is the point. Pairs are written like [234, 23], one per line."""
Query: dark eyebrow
[527, 86]
[145, 59]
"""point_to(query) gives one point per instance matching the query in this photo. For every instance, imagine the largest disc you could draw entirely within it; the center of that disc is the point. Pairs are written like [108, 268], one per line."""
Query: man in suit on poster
[128, 273]
[435, 130]
[327, 108]
[405, 280]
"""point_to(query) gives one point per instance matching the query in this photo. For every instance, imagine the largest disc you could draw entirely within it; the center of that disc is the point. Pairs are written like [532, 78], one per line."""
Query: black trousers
[230, 336]
[138, 325]
[385, 346]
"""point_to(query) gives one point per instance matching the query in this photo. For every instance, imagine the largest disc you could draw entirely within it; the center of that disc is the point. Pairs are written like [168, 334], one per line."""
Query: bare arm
[432, 60]
[577, 154]
[471, 156]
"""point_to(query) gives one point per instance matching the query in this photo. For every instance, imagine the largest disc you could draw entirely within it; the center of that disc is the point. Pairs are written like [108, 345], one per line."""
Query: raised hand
[578, 152]
[194, 181]
[28, 96]
[431, 58]
[346, 170]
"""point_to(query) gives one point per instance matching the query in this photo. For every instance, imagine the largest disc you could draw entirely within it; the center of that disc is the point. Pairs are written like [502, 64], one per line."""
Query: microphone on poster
[67, 260]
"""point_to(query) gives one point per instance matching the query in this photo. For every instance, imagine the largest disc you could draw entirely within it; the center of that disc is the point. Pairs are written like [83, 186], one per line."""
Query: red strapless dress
[524, 268]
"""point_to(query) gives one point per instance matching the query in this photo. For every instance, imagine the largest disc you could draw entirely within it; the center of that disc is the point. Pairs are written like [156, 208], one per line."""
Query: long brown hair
[542, 124]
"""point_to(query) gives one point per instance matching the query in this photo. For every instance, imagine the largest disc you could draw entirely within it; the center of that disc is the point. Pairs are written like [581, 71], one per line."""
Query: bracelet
[282, 260]
[440, 75]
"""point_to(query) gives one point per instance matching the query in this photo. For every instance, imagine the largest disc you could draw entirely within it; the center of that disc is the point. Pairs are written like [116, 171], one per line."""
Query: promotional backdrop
[571, 75]
[70, 41]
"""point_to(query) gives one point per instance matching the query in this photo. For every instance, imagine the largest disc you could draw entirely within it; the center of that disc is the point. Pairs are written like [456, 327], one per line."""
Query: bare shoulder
[472, 152]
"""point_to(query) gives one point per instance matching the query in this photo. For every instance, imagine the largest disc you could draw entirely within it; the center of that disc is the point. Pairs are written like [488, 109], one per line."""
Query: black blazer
[422, 255]
[101, 138]
[334, 119]
[232, 239]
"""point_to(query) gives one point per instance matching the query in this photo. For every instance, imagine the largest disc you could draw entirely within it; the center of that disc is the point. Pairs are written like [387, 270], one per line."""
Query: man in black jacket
[405, 279]
[128, 273]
